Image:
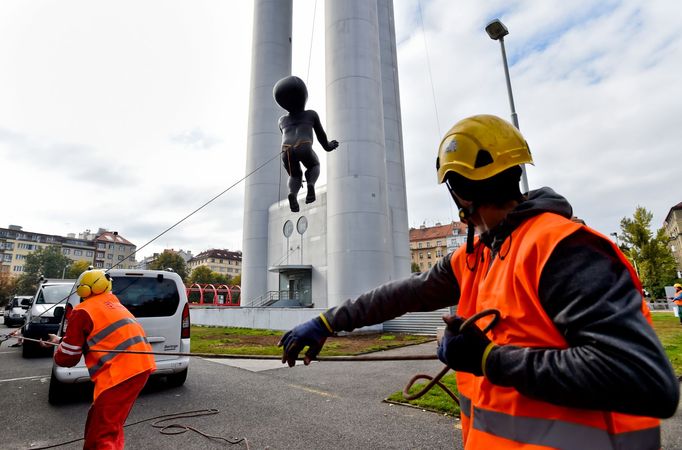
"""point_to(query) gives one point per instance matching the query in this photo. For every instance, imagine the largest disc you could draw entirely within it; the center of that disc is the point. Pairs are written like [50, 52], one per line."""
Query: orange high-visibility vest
[114, 328]
[501, 417]
[678, 302]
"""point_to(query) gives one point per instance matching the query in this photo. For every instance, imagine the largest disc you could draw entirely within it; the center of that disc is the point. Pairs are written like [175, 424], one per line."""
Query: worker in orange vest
[677, 299]
[573, 361]
[95, 327]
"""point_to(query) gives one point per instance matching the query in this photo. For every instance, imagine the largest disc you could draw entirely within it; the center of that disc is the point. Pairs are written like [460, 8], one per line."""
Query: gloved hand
[312, 333]
[466, 351]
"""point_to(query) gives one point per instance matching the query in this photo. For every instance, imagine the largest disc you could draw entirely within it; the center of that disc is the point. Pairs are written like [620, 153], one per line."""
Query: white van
[16, 309]
[158, 300]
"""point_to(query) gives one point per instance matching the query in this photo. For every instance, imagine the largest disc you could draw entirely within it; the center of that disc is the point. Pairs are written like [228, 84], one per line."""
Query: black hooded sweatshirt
[614, 361]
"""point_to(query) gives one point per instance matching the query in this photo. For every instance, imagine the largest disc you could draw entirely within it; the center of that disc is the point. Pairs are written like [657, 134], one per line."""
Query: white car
[158, 300]
[15, 310]
[45, 313]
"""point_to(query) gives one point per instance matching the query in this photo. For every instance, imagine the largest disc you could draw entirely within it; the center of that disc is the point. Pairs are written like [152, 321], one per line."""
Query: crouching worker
[95, 327]
[573, 361]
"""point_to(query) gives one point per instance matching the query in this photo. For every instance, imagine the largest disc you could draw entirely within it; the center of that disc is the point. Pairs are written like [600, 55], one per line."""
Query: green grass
[250, 341]
[435, 399]
[669, 331]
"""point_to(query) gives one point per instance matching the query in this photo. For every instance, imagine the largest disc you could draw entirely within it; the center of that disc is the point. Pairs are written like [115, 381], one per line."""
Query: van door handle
[154, 340]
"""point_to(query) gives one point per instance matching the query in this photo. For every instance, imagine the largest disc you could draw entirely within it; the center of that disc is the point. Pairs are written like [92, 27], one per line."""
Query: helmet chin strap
[465, 215]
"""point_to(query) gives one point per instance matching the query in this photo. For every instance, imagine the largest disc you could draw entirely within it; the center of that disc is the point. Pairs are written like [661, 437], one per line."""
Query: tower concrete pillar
[270, 61]
[358, 229]
[393, 135]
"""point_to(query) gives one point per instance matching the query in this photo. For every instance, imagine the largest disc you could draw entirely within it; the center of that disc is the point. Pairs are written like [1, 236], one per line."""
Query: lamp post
[497, 31]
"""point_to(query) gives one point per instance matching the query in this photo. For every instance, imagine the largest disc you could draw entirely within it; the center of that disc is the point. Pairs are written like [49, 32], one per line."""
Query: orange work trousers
[104, 427]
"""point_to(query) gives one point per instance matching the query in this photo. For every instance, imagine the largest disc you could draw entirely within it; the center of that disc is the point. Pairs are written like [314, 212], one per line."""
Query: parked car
[158, 300]
[15, 310]
[45, 313]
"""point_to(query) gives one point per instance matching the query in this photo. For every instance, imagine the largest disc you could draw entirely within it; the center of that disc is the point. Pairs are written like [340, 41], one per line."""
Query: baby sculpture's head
[291, 94]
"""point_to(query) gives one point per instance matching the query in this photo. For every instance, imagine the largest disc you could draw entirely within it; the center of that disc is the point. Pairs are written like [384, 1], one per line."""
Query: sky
[129, 115]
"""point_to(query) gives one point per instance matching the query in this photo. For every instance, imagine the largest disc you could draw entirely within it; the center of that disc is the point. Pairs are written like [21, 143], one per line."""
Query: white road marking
[37, 377]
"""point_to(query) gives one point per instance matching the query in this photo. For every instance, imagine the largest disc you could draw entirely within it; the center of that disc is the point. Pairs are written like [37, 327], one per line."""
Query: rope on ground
[172, 428]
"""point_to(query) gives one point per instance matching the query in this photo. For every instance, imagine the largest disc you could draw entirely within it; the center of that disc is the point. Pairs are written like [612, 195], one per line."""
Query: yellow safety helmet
[93, 282]
[480, 147]
[677, 286]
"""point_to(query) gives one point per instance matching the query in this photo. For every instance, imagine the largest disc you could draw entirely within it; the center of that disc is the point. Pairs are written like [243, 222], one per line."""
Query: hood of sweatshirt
[536, 202]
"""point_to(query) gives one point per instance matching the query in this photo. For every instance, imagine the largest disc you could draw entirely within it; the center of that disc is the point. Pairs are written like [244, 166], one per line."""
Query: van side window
[147, 297]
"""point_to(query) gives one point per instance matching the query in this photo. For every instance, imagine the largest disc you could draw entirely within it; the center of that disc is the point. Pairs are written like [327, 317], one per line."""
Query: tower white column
[358, 233]
[270, 61]
[393, 134]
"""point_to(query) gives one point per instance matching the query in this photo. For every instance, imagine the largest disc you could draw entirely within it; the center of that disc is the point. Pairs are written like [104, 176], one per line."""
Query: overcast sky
[129, 115]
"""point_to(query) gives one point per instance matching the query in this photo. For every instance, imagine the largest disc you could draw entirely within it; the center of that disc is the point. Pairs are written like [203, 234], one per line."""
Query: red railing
[209, 294]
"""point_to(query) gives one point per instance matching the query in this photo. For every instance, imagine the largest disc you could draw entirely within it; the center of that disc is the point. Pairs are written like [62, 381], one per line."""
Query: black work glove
[312, 333]
[464, 351]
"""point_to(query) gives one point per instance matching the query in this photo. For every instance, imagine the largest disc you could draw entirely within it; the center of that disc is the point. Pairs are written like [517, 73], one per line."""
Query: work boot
[311, 194]
[293, 203]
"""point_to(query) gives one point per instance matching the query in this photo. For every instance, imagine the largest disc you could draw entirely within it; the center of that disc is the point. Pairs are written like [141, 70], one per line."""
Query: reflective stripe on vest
[108, 330]
[110, 355]
[494, 414]
[562, 434]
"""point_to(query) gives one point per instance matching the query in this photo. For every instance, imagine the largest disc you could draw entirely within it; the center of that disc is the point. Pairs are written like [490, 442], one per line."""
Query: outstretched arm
[321, 135]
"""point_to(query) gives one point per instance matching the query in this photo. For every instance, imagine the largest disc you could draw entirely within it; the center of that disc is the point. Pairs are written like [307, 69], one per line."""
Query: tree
[415, 268]
[48, 262]
[648, 253]
[77, 268]
[8, 286]
[170, 260]
[236, 280]
[204, 275]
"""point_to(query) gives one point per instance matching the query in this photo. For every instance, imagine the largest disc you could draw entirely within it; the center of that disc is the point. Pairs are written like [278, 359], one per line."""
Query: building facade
[429, 244]
[113, 250]
[673, 228]
[103, 249]
[224, 262]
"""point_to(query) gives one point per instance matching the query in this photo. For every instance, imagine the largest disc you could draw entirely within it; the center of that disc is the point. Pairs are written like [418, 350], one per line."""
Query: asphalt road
[324, 406]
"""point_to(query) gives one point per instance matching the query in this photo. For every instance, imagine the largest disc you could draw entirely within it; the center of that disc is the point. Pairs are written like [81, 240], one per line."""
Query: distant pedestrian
[677, 299]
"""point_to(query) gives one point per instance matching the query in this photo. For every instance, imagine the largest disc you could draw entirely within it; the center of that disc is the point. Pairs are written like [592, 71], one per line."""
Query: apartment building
[429, 244]
[16, 244]
[673, 228]
[224, 262]
[113, 250]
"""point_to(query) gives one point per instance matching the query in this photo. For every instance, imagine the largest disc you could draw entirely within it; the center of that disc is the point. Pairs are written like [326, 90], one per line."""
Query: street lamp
[497, 31]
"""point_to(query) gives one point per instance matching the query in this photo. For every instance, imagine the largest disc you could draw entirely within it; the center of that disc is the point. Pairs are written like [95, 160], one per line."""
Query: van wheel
[177, 379]
[28, 349]
[58, 392]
